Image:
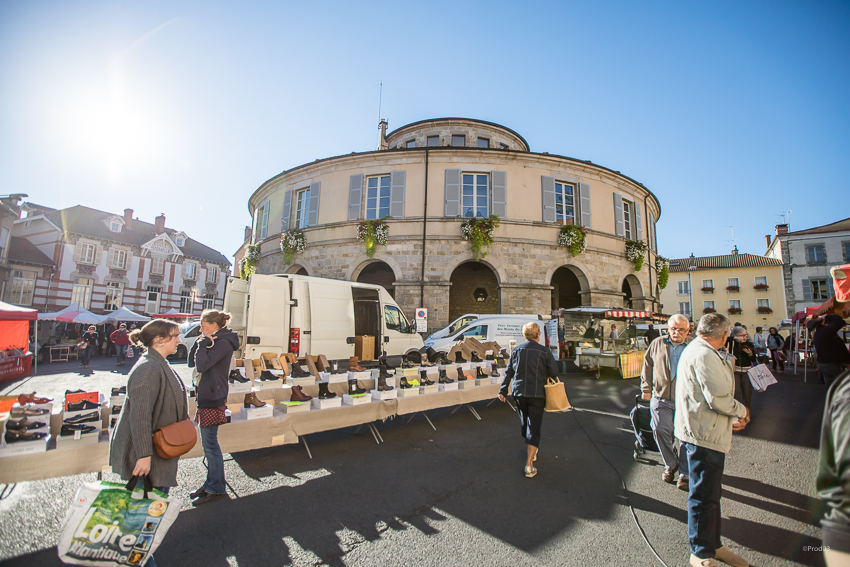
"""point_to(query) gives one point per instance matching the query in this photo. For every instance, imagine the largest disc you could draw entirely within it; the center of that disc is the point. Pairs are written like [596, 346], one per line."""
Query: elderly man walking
[706, 415]
[658, 385]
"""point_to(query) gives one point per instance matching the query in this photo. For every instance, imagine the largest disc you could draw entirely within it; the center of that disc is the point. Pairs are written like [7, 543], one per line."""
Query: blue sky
[728, 111]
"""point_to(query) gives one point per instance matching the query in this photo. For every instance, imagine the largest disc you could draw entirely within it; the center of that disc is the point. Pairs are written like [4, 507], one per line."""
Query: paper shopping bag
[761, 377]
[556, 396]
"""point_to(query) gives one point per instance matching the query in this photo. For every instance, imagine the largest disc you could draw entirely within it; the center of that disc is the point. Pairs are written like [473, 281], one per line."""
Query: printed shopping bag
[761, 377]
[112, 524]
[556, 396]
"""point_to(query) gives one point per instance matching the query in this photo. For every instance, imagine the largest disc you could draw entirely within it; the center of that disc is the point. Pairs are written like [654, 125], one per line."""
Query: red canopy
[9, 312]
[14, 329]
[828, 306]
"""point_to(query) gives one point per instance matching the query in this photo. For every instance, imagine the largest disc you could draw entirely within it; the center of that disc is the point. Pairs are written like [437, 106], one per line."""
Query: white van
[465, 320]
[498, 329]
[305, 315]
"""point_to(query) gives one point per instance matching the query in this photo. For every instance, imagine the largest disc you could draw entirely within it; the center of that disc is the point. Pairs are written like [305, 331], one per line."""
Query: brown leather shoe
[669, 474]
[298, 395]
[251, 400]
[354, 365]
[682, 483]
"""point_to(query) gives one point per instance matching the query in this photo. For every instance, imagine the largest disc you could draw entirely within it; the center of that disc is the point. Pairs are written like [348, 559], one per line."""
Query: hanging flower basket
[636, 252]
[733, 288]
[292, 242]
[707, 290]
[735, 311]
[662, 266]
[372, 233]
[574, 237]
[709, 310]
[764, 310]
[479, 233]
[248, 264]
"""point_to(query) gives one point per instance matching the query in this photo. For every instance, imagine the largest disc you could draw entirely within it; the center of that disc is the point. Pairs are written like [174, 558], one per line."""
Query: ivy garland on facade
[292, 242]
[574, 237]
[248, 264]
[662, 265]
[479, 232]
[636, 252]
[372, 233]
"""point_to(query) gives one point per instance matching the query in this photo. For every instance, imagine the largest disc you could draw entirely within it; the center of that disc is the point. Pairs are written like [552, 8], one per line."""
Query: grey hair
[738, 331]
[677, 317]
[713, 325]
[531, 331]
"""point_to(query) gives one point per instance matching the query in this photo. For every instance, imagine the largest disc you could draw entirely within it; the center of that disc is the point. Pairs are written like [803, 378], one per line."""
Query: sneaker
[682, 483]
[697, 562]
[530, 472]
[729, 557]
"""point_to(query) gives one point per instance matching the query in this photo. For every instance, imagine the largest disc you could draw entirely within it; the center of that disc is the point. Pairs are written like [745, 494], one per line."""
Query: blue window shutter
[638, 221]
[287, 211]
[397, 179]
[829, 286]
[584, 204]
[807, 290]
[652, 241]
[355, 192]
[619, 221]
[548, 187]
[500, 193]
[313, 206]
[452, 205]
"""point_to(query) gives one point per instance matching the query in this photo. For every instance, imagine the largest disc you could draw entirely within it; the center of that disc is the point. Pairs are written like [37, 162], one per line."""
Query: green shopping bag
[112, 524]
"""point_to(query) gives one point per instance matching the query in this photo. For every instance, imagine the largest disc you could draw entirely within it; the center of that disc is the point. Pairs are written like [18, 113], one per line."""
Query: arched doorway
[474, 289]
[378, 273]
[632, 292]
[297, 270]
[566, 288]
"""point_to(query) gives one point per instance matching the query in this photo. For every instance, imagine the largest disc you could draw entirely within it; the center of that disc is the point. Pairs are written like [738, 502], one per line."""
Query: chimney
[767, 241]
[128, 218]
[160, 223]
[248, 233]
[781, 229]
[382, 142]
[735, 250]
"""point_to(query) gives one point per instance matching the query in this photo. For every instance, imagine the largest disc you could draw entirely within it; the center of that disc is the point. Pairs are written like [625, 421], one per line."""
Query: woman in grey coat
[156, 397]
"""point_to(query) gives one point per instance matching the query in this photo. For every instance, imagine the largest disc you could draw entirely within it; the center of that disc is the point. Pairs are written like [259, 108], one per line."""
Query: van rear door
[267, 328]
[331, 320]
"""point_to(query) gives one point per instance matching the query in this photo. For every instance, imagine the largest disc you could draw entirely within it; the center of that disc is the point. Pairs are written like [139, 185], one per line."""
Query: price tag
[78, 434]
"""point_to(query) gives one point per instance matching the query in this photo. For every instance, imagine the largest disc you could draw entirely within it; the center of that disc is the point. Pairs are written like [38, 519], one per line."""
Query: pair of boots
[424, 378]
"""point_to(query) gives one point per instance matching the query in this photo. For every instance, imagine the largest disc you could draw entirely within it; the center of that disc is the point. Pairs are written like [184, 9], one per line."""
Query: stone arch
[301, 268]
[359, 263]
[568, 282]
[378, 273]
[474, 289]
[578, 268]
[467, 256]
[632, 292]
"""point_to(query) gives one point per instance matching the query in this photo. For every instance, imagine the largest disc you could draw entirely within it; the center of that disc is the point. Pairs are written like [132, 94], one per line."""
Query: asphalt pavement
[458, 496]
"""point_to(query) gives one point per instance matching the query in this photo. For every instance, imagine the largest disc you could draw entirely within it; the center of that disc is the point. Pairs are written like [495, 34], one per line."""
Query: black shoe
[405, 363]
[82, 418]
[460, 375]
[68, 429]
[353, 388]
[402, 383]
[23, 425]
[237, 376]
[383, 372]
[444, 378]
[382, 384]
[206, 497]
[113, 422]
[479, 373]
[116, 410]
[74, 392]
[27, 411]
[266, 375]
[494, 372]
[81, 406]
[423, 378]
[324, 393]
[475, 357]
[200, 492]
[297, 372]
[15, 436]
[490, 356]
[459, 357]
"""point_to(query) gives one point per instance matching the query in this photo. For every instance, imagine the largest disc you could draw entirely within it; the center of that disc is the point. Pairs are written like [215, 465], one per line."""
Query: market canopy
[9, 312]
[74, 313]
[628, 314]
[14, 326]
[828, 306]
[124, 314]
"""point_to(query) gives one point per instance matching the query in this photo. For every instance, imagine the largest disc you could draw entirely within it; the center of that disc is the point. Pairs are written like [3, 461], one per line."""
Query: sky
[728, 111]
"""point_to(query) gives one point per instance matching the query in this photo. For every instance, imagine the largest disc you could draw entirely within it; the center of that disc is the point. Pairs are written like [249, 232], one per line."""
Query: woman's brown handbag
[556, 396]
[174, 440]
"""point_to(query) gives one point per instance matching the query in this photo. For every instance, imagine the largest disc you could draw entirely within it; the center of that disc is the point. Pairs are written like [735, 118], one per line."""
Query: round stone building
[426, 178]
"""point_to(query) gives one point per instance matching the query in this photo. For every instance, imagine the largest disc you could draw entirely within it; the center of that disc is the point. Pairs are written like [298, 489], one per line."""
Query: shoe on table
[530, 472]
[207, 497]
[682, 483]
[697, 562]
[669, 474]
[729, 557]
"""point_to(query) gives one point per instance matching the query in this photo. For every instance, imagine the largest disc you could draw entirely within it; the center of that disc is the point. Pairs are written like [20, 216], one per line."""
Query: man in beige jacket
[706, 414]
[657, 384]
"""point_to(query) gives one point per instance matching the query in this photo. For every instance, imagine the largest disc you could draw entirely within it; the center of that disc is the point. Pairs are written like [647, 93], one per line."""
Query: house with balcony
[104, 261]
[807, 256]
[744, 287]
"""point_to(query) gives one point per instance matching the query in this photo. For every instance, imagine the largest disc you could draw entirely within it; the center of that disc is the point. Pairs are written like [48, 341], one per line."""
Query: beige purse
[556, 396]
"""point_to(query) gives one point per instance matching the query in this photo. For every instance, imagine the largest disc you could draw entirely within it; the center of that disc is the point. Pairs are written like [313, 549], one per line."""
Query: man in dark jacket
[833, 479]
[530, 366]
[833, 356]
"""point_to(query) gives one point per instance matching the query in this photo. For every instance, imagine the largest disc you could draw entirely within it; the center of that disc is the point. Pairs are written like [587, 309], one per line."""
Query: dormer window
[115, 226]
[180, 241]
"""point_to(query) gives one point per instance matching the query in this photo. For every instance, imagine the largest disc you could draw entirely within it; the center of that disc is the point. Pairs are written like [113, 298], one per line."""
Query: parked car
[465, 320]
[191, 332]
[497, 329]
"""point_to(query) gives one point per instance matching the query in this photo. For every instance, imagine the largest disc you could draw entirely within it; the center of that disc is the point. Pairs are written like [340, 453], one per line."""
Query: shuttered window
[302, 202]
[377, 197]
[476, 195]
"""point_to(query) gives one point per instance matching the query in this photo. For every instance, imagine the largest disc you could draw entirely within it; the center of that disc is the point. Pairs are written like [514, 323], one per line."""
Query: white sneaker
[729, 557]
[530, 471]
[697, 562]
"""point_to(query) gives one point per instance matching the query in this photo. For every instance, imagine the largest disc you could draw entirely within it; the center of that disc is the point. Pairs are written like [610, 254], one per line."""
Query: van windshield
[460, 323]
[395, 320]
[476, 332]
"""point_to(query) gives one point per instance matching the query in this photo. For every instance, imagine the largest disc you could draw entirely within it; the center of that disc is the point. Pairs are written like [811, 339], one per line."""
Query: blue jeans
[706, 471]
[87, 352]
[121, 352]
[215, 461]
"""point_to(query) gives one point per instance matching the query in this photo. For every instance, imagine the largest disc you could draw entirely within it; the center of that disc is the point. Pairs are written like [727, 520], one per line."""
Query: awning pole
[35, 354]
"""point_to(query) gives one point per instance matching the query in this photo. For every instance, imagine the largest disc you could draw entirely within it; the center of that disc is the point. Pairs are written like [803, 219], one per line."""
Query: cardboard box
[407, 392]
[318, 404]
[240, 388]
[355, 400]
[268, 384]
[466, 384]
[364, 347]
[68, 441]
[24, 447]
[256, 413]
[295, 407]
[432, 389]
[447, 387]
[308, 381]
[385, 395]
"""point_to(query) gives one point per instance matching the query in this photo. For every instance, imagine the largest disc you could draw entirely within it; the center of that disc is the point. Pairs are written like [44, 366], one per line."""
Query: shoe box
[27, 447]
[465, 384]
[496, 380]
[378, 395]
[432, 389]
[257, 413]
[483, 381]
[355, 400]
[268, 384]
[294, 407]
[78, 439]
[240, 388]
[451, 369]
[307, 381]
[329, 403]
[448, 387]
[408, 392]
[340, 378]
[365, 375]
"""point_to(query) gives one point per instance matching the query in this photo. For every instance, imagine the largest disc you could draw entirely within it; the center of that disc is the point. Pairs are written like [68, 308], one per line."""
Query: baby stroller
[645, 441]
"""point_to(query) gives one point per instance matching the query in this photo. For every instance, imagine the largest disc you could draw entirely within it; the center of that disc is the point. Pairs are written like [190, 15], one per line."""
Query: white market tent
[74, 313]
[124, 314]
